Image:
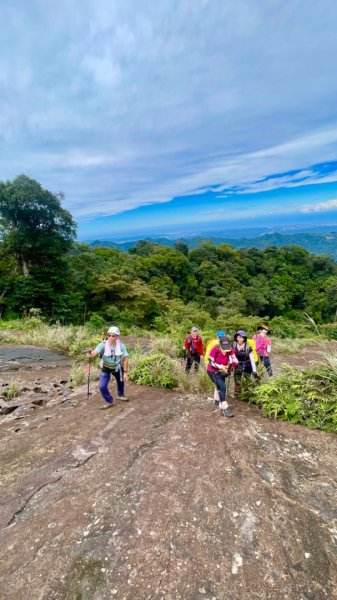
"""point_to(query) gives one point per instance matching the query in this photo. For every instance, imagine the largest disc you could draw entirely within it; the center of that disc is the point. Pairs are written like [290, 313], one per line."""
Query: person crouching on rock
[221, 361]
[114, 361]
[214, 342]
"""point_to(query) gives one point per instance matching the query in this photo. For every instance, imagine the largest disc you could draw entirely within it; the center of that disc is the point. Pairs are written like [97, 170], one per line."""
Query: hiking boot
[107, 405]
[123, 398]
[228, 412]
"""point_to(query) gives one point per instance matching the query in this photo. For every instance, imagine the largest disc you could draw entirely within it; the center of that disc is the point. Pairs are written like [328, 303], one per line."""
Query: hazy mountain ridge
[316, 243]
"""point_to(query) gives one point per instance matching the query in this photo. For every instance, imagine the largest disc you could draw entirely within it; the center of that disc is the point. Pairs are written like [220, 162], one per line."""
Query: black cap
[225, 343]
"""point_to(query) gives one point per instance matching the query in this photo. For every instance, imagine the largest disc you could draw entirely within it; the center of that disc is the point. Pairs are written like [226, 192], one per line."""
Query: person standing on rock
[193, 346]
[246, 366]
[263, 347]
[221, 361]
[114, 361]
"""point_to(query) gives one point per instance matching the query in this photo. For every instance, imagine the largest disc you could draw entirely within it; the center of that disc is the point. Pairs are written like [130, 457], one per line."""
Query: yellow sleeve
[209, 347]
[252, 344]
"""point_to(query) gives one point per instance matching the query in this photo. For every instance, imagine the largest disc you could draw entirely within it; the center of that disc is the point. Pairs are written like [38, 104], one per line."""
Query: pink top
[220, 358]
[262, 344]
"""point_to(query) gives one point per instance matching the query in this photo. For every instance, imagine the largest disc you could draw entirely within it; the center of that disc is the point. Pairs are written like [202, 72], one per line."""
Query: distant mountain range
[317, 243]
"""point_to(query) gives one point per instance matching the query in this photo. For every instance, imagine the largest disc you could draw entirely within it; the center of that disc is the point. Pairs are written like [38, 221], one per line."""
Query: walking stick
[88, 370]
[89, 376]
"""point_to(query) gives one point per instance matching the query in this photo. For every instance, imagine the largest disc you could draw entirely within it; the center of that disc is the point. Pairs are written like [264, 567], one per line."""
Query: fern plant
[307, 397]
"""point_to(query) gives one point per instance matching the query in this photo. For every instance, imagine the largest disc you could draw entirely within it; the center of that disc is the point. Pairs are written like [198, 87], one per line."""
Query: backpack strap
[247, 348]
[192, 343]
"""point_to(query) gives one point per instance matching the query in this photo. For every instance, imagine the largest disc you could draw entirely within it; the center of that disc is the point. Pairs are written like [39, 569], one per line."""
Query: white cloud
[122, 104]
[321, 206]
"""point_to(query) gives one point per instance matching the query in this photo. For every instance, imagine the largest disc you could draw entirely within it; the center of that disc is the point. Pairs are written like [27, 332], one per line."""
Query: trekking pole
[88, 370]
[89, 376]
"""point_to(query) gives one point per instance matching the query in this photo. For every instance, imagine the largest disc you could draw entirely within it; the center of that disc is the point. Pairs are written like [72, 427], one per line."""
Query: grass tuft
[12, 391]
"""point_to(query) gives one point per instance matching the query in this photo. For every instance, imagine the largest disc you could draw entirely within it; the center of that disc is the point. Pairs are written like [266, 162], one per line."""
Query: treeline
[151, 286]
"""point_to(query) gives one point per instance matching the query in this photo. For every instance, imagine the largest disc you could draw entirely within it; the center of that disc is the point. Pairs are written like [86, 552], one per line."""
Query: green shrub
[198, 382]
[164, 345]
[306, 397]
[78, 375]
[288, 328]
[329, 331]
[291, 346]
[22, 325]
[183, 316]
[160, 325]
[231, 324]
[65, 338]
[96, 322]
[157, 370]
[12, 391]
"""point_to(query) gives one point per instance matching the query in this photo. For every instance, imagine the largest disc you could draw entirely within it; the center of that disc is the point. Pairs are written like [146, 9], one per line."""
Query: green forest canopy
[41, 266]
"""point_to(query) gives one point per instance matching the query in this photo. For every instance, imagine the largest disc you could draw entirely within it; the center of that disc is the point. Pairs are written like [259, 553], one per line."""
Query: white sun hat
[114, 330]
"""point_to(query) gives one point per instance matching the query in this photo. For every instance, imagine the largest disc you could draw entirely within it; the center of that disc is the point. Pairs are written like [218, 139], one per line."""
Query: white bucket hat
[114, 330]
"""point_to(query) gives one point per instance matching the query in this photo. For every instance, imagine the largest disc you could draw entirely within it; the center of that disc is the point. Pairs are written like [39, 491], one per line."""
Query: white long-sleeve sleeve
[252, 361]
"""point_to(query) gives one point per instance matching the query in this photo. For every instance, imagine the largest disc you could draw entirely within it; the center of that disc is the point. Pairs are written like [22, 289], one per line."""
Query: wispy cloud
[320, 207]
[126, 104]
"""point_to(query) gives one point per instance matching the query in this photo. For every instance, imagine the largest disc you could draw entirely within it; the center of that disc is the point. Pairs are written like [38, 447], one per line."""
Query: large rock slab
[163, 498]
[14, 357]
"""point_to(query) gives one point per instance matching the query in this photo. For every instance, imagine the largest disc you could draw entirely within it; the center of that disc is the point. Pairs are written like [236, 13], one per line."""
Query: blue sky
[166, 116]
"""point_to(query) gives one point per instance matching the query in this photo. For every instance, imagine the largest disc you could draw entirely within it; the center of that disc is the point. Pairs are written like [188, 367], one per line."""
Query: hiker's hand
[87, 351]
[224, 368]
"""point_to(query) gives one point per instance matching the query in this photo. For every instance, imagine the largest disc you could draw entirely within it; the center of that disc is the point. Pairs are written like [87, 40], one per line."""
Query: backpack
[191, 343]
[260, 343]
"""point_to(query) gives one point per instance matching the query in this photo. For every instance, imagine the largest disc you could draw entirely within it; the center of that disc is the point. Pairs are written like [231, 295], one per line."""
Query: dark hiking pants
[192, 358]
[265, 360]
[220, 384]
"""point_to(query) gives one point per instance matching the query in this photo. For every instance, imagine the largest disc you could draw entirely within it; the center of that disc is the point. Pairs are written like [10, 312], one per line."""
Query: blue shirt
[111, 361]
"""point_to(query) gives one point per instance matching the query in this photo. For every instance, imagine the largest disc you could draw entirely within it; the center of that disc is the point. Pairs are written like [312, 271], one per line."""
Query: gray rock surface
[163, 498]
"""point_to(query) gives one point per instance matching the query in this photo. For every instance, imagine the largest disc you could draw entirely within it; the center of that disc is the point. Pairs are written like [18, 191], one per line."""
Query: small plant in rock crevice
[79, 374]
[12, 391]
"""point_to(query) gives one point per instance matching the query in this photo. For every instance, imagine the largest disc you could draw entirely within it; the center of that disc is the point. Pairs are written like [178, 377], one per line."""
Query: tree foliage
[150, 286]
[36, 234]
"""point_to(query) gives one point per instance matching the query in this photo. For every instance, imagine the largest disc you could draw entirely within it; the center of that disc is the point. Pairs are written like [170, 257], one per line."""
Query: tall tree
[33, 225]
[36, 233]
